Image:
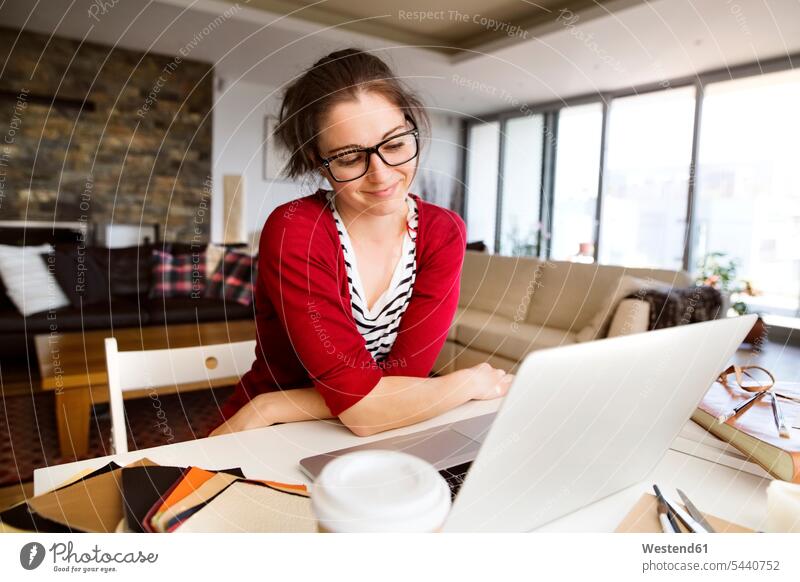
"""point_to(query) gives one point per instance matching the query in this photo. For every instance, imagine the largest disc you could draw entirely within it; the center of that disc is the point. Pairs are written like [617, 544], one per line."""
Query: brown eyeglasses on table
[760, 389]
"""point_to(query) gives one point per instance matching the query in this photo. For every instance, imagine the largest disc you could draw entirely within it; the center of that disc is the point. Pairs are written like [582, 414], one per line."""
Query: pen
[663, 517]
[780, 420]
[723, 417]
[670, 518]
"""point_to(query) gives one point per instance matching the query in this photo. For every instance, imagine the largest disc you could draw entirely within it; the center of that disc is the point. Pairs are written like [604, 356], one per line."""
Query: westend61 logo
[31, 555]
[65, 559]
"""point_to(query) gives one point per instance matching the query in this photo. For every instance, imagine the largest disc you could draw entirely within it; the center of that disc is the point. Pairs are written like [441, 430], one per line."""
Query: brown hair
[337, 77]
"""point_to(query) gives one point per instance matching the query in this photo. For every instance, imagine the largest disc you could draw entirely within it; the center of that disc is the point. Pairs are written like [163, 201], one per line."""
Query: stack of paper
[145, 497]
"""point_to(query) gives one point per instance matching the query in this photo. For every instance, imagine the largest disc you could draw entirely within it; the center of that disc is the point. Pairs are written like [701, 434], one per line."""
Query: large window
[746, 193]
[643, 216]
[482, 164]
[576, 176]
[522, 176]
[748, 184]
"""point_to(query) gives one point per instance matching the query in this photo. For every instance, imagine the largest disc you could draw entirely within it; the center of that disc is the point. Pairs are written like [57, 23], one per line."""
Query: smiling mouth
[384, 192]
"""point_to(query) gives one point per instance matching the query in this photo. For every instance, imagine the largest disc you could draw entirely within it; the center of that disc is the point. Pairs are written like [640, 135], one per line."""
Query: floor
[12, 495]
[15, 380]
[782, 360]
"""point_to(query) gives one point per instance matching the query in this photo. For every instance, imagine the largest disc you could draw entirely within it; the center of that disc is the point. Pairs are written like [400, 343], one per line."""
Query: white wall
[239, 110]
[439, 174]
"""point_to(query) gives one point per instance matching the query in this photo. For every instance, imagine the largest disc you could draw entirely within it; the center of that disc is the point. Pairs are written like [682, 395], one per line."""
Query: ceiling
[446, 26]
[540, 51]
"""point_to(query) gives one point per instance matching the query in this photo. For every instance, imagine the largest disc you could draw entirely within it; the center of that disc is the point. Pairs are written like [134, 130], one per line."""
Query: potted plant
[720, 271]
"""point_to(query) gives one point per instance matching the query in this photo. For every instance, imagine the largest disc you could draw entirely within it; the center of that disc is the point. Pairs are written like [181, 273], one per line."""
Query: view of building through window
[576, 176]
[522, 182]
[482, 166]
[748, 185]
[649, 148]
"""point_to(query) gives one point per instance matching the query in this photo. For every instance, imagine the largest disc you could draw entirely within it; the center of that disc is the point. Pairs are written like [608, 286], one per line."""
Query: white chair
[213, 365]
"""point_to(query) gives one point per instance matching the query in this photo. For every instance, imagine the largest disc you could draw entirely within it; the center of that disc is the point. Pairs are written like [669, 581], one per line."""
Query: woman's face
[364, 122]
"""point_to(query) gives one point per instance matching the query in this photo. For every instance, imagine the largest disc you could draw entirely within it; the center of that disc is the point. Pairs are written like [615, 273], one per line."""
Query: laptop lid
[584, 421]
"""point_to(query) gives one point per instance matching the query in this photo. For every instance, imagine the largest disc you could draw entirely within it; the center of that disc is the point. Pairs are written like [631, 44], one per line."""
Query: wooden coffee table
[74, 366]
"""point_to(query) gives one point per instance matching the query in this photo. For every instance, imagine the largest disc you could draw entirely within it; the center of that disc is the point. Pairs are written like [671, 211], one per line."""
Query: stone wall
[92, 133]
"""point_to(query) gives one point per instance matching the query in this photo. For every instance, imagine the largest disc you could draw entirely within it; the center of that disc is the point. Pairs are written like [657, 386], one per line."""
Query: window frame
[551, 109]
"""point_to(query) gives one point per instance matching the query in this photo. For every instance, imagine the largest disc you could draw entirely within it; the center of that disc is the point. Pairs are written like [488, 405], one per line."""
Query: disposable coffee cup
[783, 507]
[380, 491]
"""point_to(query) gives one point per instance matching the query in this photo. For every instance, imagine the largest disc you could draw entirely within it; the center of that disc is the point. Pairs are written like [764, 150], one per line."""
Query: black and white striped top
[379, 325]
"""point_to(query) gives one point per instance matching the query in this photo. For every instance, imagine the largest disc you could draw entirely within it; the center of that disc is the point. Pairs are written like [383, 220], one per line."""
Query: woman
[357, 286]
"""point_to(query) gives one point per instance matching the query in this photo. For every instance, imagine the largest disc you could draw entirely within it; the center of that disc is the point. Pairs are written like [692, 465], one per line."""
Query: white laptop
[579, 423]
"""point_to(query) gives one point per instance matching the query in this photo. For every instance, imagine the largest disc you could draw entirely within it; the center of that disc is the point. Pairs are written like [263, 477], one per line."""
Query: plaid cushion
[233, 279]
[178, 275]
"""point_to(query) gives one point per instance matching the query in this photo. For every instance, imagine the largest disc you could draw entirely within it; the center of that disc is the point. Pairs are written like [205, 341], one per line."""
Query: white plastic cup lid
[378, 490]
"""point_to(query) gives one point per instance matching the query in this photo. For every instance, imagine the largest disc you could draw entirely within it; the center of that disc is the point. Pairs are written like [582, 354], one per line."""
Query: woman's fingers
[504, 384]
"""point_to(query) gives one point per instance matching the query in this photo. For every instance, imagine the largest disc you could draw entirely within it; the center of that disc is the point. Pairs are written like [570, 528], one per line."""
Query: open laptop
[579, 423]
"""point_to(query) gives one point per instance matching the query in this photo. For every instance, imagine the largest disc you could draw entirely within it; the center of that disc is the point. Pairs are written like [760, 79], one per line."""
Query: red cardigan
[306, 334]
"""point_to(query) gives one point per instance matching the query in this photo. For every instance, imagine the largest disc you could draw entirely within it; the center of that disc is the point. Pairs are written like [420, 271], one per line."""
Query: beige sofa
[510, 306]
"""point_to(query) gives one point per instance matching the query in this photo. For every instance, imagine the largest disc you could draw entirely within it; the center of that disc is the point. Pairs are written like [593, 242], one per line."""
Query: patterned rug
[28, 437]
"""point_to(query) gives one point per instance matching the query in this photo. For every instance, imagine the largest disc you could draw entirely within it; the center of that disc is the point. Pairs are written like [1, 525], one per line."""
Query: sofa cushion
[120, 313]
[178, 275]
[28, 278]
[497, 284]
[626, 285]
[234, 279]
[128, 269]
[474, 317]
[176, 310]
[80, 277]
[505, 337]
[632, 316]
[451, 333]
[568, 295]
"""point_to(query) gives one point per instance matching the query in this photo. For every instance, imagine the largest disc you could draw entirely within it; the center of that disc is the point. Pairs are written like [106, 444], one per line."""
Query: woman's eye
[349, 160]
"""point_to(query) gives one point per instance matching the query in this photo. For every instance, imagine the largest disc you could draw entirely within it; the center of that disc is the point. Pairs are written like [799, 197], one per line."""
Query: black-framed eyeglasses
[393, 151]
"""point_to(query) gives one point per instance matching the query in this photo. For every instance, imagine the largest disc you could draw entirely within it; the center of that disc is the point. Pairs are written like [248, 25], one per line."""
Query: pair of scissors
[670, 513]
[695, 513]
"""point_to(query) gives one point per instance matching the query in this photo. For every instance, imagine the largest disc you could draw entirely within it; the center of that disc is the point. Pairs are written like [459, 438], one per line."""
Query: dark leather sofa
[127, 303]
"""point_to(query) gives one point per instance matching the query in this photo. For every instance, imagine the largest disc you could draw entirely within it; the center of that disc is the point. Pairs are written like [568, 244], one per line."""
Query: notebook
[92, 504]
[144, 487]
[251, 506]
[196, 486]
[753, 432]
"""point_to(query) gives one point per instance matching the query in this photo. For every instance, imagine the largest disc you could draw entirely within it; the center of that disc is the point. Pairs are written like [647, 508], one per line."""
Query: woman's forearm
[394, 402]
[295, 405]
[401, 400]
[279, 406]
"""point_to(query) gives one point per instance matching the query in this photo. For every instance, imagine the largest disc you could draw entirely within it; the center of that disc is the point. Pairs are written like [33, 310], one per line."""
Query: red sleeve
[298, 269]
[426, 321]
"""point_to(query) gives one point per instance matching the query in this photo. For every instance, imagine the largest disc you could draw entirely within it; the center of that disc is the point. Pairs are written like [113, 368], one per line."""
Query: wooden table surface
[73, 365]
[78, 360]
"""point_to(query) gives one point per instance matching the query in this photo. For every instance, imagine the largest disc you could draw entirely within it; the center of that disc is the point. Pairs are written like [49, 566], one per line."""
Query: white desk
[273, 453]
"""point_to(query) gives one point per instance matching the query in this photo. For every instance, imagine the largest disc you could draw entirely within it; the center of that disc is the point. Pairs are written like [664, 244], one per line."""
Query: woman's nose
[378, 169]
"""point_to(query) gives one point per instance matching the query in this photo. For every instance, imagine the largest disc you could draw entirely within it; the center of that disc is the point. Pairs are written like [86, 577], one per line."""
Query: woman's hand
[482, 382]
